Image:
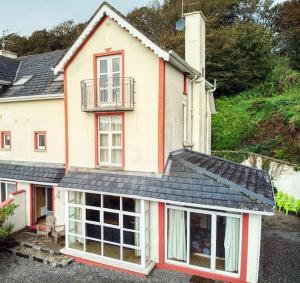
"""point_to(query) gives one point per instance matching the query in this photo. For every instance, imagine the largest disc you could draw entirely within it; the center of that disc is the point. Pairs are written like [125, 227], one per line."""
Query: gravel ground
[279, 262]
[280, 249]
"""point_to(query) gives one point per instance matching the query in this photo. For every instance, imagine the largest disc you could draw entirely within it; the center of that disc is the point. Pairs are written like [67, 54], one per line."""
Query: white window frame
[110, 147]
[38, 146]
[121, 213]
[4, 145]
[214, 215]
[6, 191]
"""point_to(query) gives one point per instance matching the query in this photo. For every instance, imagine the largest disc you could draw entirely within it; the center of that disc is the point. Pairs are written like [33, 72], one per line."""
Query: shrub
[6, 228]
[298, 212]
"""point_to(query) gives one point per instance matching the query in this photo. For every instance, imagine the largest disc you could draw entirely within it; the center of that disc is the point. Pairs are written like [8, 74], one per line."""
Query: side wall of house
[254, 238]
[22, 119]
[174, 118]
[141, 125]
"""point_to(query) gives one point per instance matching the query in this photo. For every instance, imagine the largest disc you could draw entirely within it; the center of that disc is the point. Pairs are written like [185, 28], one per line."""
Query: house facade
[112, 136]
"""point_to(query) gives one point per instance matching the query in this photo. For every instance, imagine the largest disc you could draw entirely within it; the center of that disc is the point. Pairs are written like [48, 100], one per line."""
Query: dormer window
[5, 140]
[22, 81]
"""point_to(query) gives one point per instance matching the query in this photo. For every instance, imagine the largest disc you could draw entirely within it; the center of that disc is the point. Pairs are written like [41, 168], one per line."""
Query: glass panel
[75, 227]
[104, 95]
[93, 247]
[112, 235]
[103, 66]
[41, 141]
[10, 188]
[116, 156]
[116, 139]
[104, 155]
[116, 123]
[7, 140]
[3, 192]
[75, 197]
[177, 233]
[111, 251]
[111, 202]
[111, 218]
[131, 238]
[75, 213]
[131, 255]
[131, 222]
[92, 215]
[104, 140]
[104, 124]
[93, 231]
[103, 81]
[76, 243]
[116, 65]
[200, 239]
[93, 200]
[228, 242]
[132, 205]
[116, 94]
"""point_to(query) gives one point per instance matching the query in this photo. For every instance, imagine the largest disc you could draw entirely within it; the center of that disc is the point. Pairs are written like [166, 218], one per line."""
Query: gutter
[32, 98]
[5, 82]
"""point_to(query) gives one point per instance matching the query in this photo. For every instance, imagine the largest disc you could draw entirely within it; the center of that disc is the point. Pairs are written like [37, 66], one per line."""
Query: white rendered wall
[154, 230]
[22, 119]
[59, 206]
[18, 218]
[254, 238]
[26, 187]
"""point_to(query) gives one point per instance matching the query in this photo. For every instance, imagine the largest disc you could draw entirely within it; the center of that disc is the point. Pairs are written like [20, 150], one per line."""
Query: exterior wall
[174, 118]
[141, 130]
[22, 119]
[18, 218]
[59, 206]
[154, 231]
[26, 188]
[254, 238]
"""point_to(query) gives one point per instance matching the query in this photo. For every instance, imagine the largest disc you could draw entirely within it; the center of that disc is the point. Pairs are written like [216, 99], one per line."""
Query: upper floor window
[40, 141]
[110, 140]
[6, 188]
[6, 140]
[109, 79]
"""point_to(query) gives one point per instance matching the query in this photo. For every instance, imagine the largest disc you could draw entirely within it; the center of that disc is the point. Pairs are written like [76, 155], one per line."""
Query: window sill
[110, 167]
[40, 150]
[5, 149]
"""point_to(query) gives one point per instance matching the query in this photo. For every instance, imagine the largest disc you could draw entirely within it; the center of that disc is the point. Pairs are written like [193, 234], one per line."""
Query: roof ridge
[231, 184]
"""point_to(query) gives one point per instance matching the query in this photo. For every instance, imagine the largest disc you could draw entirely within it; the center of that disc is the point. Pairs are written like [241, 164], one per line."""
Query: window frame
[213, 239]
[141, 232]
[110, 133]
[3, 145]
[6, 193]
[37, 147]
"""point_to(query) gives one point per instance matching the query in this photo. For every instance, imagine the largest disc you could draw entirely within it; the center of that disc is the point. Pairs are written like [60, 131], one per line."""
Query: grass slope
[252, 121]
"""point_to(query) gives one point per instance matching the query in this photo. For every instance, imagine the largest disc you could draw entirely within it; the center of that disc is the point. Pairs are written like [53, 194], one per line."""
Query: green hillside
[264, 120]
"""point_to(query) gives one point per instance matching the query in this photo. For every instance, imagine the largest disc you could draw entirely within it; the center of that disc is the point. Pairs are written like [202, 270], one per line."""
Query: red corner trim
[161, 116]
[31, 204]
[17, 192]
[244, 247]
[184, 85]
[6, 202]
[161, 232]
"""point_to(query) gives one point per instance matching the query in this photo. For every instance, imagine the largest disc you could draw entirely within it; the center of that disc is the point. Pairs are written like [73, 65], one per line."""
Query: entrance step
[58, 260]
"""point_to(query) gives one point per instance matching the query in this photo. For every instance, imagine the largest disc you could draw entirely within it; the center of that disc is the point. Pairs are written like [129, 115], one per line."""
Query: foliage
[298, 212]
[235, 156]
[6, 228]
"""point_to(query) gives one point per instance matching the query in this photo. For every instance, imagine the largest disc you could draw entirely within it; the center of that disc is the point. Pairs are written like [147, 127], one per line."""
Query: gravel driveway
[280, 262]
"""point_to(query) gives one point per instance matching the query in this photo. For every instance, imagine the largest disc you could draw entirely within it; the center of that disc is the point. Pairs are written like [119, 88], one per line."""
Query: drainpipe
[206, 115]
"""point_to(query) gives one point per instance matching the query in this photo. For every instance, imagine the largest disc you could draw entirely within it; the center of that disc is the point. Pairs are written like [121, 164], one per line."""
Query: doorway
[42, 204]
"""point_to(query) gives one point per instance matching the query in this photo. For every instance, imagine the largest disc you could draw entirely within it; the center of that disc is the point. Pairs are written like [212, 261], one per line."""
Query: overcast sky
[26, 16]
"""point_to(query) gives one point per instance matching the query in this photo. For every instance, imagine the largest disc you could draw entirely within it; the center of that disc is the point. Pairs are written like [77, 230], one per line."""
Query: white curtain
[177, 235]
[231, 244]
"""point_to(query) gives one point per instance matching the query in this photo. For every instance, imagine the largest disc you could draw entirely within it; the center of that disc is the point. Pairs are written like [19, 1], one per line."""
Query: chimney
[195, 41]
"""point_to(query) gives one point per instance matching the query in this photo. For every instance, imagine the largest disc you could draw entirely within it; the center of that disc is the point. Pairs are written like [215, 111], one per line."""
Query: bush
[298, 212]
[6, 228]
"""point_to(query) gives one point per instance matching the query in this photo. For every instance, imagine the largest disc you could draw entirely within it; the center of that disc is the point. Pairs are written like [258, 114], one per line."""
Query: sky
[25, 16]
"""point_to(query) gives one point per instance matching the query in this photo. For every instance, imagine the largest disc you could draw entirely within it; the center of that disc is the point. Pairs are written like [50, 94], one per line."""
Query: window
[6, 188]
[109, 79]
[206, 240]
[110, 140]
[40, 141]
[98, 225]
[6, 140]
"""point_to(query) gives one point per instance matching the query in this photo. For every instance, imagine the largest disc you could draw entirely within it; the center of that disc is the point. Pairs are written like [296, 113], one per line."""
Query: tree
[6, 228]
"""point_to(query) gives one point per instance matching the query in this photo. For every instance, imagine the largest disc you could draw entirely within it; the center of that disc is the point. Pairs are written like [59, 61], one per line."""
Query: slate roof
[45, 174]
[180, 183]
[40, 66]
[8, 69]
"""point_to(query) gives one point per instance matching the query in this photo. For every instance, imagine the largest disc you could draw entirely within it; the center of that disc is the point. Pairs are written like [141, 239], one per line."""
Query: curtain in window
[177, 235]
[231, 244]
[116, 156]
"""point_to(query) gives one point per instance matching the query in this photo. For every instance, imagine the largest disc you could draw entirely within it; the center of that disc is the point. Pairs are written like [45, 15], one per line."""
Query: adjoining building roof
[180, 184]
[8, 70]
[40, 68]
[31, 172]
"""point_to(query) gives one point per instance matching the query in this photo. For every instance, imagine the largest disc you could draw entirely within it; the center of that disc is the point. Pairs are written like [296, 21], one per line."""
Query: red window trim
[185, 84]
[96, 128]
[36, 133]
[104, 54]
[2, 133]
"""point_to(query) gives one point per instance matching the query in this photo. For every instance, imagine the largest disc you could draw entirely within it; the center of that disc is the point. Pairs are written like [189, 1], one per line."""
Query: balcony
[107, 94]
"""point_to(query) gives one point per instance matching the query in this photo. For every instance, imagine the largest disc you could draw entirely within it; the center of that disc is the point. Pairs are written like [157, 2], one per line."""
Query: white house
[113, 137]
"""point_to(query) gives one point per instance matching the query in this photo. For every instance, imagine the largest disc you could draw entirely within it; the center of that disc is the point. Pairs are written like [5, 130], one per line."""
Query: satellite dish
[180, 24]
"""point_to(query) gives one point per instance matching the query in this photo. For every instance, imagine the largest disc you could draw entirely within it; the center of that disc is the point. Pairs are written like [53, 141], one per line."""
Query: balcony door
[109, 80]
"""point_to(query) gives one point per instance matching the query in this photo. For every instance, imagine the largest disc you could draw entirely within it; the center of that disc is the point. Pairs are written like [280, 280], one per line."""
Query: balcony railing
[107, 94]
